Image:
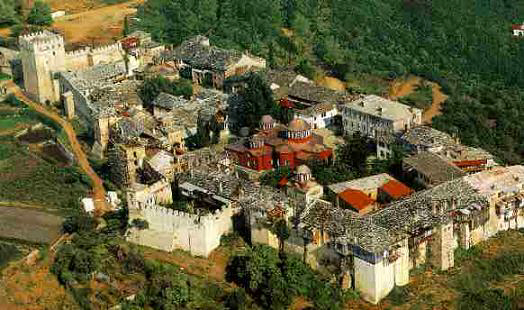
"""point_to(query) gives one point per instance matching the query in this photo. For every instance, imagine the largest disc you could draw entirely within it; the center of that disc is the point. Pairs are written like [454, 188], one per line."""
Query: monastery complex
[374, 230]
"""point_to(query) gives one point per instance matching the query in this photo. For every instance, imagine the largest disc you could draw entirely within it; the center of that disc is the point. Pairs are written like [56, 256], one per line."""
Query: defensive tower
[42, 54]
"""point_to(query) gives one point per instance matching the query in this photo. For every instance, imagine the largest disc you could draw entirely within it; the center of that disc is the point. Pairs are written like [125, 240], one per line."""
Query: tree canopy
[256, 100]
[274, 280]
[153, 86]
[8, 12]
[40, 14]
[468, 50]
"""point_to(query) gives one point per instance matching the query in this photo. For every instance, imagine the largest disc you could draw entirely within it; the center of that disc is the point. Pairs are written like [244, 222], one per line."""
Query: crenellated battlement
[40, 40]
[170, 229]
[79, 52]
[166, 219]
[107, 48]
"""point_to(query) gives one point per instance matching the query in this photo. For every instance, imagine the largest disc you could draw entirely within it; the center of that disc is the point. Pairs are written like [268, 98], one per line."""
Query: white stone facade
[319, 118]
[374, 116]
[43, 55]
[170, 229]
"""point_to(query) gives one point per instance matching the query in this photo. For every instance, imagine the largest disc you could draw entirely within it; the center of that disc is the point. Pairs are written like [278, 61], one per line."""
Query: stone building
[377, 250]
[43, 55]
[125, 159]
[375, 117]
[430, 169]
[369, 193]
[319, 116]
[426, 139]
[303, 189]
[209, 65]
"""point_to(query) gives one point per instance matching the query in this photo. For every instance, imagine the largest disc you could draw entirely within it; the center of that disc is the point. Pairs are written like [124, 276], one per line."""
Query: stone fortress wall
[171, 229]
[43, 55]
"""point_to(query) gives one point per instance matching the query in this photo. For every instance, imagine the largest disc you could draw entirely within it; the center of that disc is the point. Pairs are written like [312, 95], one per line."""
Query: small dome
[303, 169]
[267, 119]
[298, 125]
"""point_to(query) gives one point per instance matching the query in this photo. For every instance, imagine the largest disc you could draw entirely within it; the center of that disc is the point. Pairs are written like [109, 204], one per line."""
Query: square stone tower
[124, 160]
[42, 54]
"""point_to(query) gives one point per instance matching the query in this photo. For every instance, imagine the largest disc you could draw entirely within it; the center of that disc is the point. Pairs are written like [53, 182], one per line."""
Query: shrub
[273, 281]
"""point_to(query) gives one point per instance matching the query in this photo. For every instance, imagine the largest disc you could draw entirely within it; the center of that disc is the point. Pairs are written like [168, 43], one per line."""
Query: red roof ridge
[356, 198]
[396, 189]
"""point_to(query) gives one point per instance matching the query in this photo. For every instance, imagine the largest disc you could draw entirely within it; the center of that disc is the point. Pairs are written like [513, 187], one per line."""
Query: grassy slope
[25, 177]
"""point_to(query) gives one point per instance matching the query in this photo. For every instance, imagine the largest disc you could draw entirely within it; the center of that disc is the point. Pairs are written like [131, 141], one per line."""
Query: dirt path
[438, 99]
[404, 87]
[99, 192]
[100, 25]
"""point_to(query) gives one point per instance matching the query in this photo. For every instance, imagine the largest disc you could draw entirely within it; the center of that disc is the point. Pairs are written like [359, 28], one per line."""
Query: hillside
[464, 45]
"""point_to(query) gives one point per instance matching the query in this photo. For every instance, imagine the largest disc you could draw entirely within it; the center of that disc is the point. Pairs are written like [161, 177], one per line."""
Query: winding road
[98, 190]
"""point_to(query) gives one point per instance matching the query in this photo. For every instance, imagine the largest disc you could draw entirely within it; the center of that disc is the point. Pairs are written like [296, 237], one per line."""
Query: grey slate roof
[317, 94]
[168, 101]
[434, 167]
[376, 232]
[201, 56]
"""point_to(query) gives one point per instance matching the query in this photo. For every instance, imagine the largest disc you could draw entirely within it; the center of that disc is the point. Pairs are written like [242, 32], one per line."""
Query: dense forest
[464, 45]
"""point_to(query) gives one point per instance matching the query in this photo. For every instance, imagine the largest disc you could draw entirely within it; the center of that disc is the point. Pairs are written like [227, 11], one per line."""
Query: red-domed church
[278, 145]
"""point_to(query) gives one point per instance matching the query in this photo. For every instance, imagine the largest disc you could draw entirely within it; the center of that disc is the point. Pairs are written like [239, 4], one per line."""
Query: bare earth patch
[100, 25]
[405, 86]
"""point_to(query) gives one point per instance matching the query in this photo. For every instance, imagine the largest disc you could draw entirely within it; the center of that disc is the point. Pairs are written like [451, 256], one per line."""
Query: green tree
[271, 178]
[256, 100]
[237, 300]
[306, 68]
[8, 14]
[78, 222]
[40, 14]
[140, 224]
[152, 87]
[168, 290]
[281, 230]
[354, 153]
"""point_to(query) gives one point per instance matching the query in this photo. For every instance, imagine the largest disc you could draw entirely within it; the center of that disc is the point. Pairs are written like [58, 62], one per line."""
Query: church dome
[267, 122]
[303, 174]
[303, 169]
[298, 125]
[267, 119]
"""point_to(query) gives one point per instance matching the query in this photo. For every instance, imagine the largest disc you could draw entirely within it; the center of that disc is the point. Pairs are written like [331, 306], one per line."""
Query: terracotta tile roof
[468, 163]
[396, 189]
[517, 27]
[357, 199]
